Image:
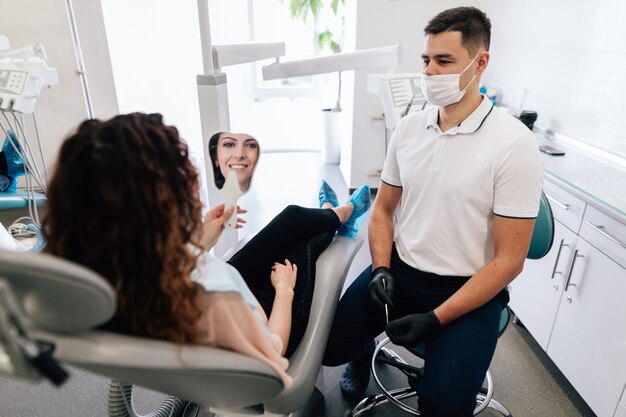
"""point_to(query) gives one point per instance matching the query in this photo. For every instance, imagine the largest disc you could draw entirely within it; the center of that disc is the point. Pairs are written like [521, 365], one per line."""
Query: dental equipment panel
[23, 74]
[400, 94]
[21, 82]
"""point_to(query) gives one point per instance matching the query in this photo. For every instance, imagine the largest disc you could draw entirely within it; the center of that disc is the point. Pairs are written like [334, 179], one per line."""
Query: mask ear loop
[470, 83]
[473, 78]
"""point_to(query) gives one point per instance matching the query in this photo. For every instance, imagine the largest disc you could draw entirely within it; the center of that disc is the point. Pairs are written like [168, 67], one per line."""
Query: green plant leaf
[299, 8]
[334, 5]
[315, 6]
[335, 47]
[324, 39]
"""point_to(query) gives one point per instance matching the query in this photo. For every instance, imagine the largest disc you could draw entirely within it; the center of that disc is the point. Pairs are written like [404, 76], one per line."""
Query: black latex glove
[411, 330]
[381, 293]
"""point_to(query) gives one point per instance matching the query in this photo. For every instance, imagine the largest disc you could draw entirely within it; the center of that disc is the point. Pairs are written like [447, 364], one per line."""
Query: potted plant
[331, 38]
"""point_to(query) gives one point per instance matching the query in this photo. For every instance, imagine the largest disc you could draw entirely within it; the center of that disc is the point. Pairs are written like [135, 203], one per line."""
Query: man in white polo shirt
[463, 180]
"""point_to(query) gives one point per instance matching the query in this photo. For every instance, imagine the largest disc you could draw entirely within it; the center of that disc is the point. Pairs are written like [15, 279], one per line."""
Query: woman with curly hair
[124, 202]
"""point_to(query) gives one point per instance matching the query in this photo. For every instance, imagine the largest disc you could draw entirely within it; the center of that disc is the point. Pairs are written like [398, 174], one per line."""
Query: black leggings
[299, 234]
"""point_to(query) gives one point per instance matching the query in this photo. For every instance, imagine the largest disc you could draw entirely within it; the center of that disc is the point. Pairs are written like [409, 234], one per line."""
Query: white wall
[155, 64]
[61, 108]
[380, 23]
[566, 60]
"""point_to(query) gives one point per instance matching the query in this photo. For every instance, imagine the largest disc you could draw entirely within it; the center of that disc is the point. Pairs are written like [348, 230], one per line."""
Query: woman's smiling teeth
[238, 166]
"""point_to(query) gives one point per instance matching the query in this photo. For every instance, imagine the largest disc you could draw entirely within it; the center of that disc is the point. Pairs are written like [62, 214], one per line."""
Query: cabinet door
[536, 292]
[588, 341]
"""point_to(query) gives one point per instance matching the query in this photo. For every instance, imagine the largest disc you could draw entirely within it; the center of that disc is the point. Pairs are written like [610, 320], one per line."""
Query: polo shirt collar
[471, 124]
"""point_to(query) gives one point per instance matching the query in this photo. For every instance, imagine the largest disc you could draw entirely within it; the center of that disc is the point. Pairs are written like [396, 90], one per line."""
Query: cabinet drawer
[566, 208]
[606, 234]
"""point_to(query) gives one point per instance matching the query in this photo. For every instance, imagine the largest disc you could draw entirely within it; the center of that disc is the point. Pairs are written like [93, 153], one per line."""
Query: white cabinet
[588, 341]
[536, 293]
[567, 208]
[572, 301]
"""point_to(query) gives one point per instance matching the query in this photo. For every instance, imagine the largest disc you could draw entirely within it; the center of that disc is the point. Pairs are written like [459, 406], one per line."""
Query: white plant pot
[331, 149]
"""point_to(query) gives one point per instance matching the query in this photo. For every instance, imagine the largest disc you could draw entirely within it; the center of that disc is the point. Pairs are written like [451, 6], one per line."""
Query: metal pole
[205, 37]
[79, 58]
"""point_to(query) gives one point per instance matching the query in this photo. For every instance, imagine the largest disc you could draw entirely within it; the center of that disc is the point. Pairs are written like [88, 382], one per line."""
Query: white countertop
[598, 181]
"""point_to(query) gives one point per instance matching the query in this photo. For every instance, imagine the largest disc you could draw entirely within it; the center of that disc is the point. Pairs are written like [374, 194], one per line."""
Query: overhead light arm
[384, 57]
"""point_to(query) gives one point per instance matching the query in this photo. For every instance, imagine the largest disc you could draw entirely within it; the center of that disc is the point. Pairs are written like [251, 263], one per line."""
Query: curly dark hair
[124, 202]
[473, 23]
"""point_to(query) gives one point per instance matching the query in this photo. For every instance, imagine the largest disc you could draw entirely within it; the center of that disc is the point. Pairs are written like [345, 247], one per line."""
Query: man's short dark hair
[474, 25]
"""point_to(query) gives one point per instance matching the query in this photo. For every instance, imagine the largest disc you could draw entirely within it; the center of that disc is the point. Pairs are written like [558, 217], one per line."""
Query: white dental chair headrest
[57, 295]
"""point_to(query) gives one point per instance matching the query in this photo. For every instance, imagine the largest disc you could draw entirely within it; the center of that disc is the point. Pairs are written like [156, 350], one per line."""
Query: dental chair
[541, 242]
[64, 303]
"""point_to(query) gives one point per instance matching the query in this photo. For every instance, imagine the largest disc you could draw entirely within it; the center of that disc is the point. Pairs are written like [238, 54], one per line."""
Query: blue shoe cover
[328, 195]
[361, 199]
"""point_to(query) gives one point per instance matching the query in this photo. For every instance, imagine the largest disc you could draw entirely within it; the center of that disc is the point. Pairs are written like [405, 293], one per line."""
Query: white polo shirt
[453, 182]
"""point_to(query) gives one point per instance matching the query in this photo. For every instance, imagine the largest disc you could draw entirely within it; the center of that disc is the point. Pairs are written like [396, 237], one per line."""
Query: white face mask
[443, 90]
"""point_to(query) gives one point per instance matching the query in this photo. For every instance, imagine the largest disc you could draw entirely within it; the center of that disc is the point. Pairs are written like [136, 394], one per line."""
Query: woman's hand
[283, 279]
[284, 276]
[214, 224]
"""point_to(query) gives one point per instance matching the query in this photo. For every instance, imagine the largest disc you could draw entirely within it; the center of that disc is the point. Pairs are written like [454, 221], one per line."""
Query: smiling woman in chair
[124, 201]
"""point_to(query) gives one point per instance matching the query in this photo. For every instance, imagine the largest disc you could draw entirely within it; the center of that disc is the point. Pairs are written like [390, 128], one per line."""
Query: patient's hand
[284, 276]
[214, 225]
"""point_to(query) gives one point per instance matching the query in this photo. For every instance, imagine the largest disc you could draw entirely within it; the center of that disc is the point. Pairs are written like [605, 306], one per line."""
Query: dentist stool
[541, 242]
[64, 302]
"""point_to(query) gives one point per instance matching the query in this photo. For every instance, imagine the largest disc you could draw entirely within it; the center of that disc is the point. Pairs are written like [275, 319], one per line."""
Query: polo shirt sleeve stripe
[391, 185]
[512, 217]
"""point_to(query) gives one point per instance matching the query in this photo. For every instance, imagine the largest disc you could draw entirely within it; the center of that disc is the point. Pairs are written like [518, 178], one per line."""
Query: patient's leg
[272, 244]
[300, 235]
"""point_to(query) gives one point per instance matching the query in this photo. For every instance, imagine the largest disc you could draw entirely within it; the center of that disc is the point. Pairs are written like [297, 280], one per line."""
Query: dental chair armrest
[331, 270]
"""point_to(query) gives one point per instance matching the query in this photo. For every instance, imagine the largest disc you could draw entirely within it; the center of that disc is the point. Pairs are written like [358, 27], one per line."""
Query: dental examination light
[384, 57]
[23, 74]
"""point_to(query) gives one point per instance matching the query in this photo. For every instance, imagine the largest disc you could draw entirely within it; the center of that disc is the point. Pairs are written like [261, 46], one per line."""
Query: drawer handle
[571, 269]
[558, 255]
[600, 230]
[558, 203]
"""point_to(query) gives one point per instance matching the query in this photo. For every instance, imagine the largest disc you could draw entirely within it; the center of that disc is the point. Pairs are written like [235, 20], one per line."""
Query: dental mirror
[234, 157]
